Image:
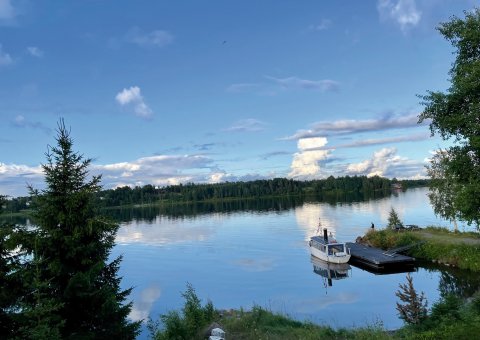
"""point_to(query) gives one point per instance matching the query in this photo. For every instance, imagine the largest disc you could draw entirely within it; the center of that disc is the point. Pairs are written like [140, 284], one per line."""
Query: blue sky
[167, 92]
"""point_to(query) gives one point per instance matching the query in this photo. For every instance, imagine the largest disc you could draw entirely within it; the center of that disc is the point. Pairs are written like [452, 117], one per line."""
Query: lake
[242, 256]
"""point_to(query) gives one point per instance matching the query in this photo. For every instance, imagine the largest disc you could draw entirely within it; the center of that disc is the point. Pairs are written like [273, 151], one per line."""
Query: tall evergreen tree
[414, 307]
[14, 276]
[393, 220]
[77, 290]
[10, 282]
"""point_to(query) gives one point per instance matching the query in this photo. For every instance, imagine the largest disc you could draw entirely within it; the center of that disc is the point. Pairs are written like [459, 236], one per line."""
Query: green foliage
[414, 307]
[260, 323]
[450, 249]
[459, 255]
[74, 291]
[393, 220]
[387, 238]
[442, 187]
[11, 287]
[455, 115]
[189, 324]
[451, 318]
[277, 187]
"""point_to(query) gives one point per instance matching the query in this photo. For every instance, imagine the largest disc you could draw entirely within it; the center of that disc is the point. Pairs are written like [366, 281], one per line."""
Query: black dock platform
[377, 259]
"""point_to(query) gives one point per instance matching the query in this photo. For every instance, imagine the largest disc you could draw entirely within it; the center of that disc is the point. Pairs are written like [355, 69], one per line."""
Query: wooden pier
[377, 259]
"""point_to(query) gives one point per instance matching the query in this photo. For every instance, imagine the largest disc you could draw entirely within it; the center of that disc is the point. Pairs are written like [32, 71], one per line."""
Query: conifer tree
[77, 290]
[393, 220]
[414, 307]
[11, 283]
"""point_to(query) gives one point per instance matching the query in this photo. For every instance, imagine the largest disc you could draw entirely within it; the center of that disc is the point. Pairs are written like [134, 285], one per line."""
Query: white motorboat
[329, 250]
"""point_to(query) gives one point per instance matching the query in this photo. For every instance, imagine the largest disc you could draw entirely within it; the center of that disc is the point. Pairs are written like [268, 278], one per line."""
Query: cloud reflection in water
[142, 305]
[316, 304]
[164, 232]
[255, 265]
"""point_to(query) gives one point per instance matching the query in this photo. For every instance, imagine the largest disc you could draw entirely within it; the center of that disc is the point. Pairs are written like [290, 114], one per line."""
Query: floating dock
[377, 259]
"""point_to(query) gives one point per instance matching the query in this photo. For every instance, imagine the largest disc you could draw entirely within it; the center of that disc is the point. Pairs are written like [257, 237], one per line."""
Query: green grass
[450, 318]
[260, 323]
[461, 250]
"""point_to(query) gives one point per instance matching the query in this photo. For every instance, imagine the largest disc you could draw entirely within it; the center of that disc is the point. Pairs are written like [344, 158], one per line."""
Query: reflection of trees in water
[463, 283]
[278, 204]
[182, 210]
[335, 197]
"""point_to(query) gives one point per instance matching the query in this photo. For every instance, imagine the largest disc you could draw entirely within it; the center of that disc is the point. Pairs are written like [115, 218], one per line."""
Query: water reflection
[309, 306]
[163, 231]
[257, 250]
[143, 303]
[348, 220]
[330, 271]
[191, 210]
[463, 283]
[255, 265]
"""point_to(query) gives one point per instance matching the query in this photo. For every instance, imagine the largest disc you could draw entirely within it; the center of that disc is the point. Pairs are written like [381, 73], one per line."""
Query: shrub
[187, 325]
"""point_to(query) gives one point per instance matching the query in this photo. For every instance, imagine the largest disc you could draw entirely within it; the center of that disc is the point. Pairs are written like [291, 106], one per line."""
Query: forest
[277, 187]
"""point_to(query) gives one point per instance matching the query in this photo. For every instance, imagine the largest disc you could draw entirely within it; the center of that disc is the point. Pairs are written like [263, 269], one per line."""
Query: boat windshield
[336, 248]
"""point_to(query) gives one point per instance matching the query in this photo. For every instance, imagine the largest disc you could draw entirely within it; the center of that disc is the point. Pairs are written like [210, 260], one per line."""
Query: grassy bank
[458, 249]
[260, 323]
[450, 318]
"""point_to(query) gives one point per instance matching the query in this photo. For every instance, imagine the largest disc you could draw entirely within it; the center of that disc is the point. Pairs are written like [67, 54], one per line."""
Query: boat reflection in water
[330, 271]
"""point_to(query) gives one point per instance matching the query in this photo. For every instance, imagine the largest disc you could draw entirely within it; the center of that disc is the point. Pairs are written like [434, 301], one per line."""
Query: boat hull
[344, 258]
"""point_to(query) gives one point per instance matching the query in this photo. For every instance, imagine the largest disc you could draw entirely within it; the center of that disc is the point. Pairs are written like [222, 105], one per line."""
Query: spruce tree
[414, 307]
[11, 281]
[77, 289]
[393, 220]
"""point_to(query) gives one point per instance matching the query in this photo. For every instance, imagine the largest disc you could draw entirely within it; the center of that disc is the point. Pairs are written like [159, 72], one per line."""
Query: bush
[189, 324]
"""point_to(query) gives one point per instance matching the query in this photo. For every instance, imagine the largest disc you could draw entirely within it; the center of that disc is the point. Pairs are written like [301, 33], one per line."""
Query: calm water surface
[238, 259]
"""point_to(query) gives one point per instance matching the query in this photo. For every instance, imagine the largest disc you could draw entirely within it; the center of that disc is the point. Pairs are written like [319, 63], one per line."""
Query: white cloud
[15, 177]
[35, 51]
[305, 163]
[7, 12]
[378, 141]
[21, 122]
[156, 38]
[5, 58]
[295, 83]
[157, 170]
[217, 177]
[323, 25]
[132, 96]
[276, 85]
[386, 163]
[402, 12]
[377, 165]
[247, 125]
[242, 87]
[352, 126]
[12, 170]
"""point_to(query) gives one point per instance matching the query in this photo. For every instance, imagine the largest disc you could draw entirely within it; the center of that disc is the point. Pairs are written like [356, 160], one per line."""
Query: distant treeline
[278, 187]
